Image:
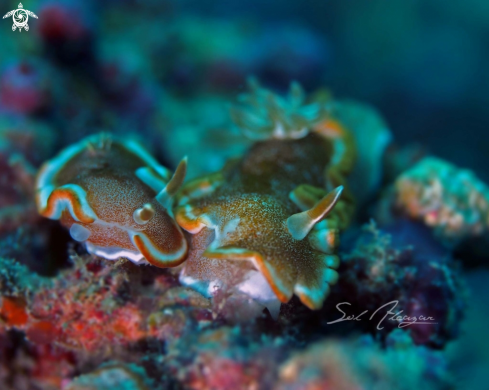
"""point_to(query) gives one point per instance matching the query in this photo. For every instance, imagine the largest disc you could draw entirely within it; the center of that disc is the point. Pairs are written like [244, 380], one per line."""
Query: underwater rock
[96, 306]
[112, 376]
[225, 358]
[24, 366]
[17, 280]
[100, 309]
[85, 309]
[362, 364]
[402, 264]
[451, 201]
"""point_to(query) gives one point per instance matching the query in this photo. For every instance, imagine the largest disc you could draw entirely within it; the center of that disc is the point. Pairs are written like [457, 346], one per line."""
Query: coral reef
[258, 231]
[96, 310]
[255, 245]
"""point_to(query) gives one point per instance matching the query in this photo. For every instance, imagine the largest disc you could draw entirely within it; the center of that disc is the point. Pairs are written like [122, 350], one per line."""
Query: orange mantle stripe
[71, 196]
[146, 252]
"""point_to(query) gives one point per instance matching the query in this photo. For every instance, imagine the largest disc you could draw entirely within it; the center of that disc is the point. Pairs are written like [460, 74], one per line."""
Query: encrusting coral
[450, 200]
[97, 306]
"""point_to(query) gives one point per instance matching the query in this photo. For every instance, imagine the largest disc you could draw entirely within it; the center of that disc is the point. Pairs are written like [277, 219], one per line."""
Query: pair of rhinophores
[265, 227]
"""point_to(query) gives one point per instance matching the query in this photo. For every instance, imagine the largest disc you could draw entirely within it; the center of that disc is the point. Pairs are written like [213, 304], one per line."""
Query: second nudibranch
[266, 227]
[115, 197]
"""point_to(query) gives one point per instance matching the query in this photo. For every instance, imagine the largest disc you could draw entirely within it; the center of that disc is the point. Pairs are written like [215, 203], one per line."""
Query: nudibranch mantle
[267, 224]
[114, 196]
[275, 264]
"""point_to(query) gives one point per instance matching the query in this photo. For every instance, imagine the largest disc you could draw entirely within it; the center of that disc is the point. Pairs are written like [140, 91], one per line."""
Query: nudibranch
[114, 196]
[267, 225]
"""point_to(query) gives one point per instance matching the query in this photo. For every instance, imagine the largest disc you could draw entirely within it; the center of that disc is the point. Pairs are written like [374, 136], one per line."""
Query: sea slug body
[267, 225]
[114, 196]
